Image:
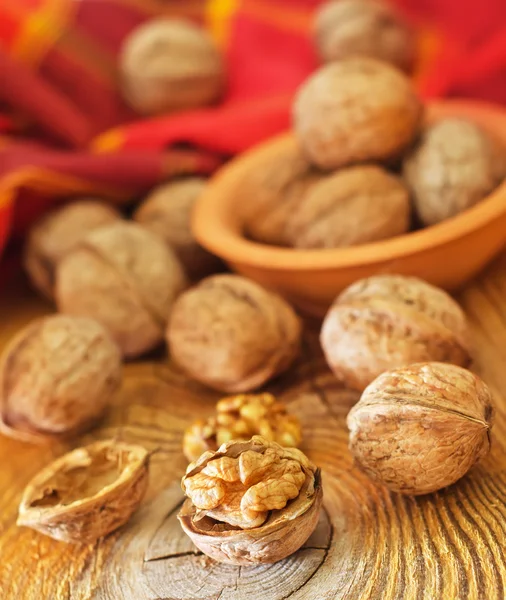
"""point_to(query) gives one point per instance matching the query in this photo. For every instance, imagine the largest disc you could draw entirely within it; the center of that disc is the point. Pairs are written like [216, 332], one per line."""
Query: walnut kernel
[421, 428]
[239, 418]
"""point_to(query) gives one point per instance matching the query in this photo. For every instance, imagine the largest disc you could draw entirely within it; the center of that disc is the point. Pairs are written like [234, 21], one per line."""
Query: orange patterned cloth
[65, 131]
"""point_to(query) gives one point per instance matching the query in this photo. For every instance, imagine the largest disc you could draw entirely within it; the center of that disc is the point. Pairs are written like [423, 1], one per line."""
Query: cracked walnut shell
[455, 165]
[126, 278]
[356, 110]
[239, 418]
[390, 321]
[231, 334]
[421, 428]
[251, 502]
[86, 493]
[170, 64]
[370, 28]
[57, 376]
[54, 236]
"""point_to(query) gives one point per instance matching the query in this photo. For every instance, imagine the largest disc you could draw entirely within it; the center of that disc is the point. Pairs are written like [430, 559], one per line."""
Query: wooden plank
[369, 543]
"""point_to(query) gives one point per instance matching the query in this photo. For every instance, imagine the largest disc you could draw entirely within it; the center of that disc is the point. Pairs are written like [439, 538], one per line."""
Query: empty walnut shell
[370, 28]
[170, 64]
[57, 376]
[356, 110]
[251, 502]
[127, 279]
[390, 321]
[232, 334]
[354, 206]
[239, 418]
[86, 493]
[455, 166]
[167, 212]
[421, 428]
[56, 234]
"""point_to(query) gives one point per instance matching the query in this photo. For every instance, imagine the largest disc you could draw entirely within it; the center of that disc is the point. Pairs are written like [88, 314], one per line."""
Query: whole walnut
[455, 165]
[271, 193]
[57, 377]
[167, 211]
[353, 206]
[51, 238]
[240, 418]
[421, 428]
[345, 28]
[251, 502]
[231, 334]
[170, 64]
[356, 110]
[390, 321]
[127, 279]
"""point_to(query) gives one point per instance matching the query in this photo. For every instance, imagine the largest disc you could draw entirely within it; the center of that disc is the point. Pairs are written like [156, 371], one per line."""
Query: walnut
[370, 28]
[170, 64]
[390, 321]
[57, 233]
[239, 418]
[232, 334]
[57, 377]
[356, 205]
[421, 428]
[126, 278]
[86, 493]
[167, 212]
[251, 502]
[455, 165]
[356, 110]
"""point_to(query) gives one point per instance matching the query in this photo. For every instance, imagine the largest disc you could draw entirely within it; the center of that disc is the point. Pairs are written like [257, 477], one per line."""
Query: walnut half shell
[251, 502]
[86, 493]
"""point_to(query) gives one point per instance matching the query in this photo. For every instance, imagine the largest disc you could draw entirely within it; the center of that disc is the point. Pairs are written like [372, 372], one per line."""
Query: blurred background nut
[57, 233]
[58, 375]
[231, 334]
[167, 212]
[240, 418]
[127, 279]
[170, 64]
[372, 28]
[86, 493]
[455, 165]
[421, 428]
[356, 110]
[353, 206]
[251, 502]
[390, 321]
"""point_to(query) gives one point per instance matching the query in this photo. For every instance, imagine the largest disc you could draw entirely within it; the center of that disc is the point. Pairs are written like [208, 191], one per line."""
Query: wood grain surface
[370, 544]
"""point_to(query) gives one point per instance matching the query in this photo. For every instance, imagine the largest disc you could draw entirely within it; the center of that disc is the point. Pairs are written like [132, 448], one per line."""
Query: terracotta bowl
[447, 254]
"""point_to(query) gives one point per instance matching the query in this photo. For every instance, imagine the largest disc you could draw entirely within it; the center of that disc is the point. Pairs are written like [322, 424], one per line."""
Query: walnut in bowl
[390, 321]
[239, 418]
[251, 502]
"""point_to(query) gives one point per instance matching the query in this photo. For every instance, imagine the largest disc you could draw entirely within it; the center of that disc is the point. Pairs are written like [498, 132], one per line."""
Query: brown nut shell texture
[126, 278]
[421, 428]
[354, 206]
[54, 236]
[170, 64]
[251, 502]
[372, 28]
[455, 166]
[233, 335]
[57, 376]
[86, 493]
[167, 211]
[239, 418]
[356, 110]
[390, 321]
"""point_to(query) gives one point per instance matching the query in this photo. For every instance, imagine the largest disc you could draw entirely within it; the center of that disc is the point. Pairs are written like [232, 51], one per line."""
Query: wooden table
[369, 543]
